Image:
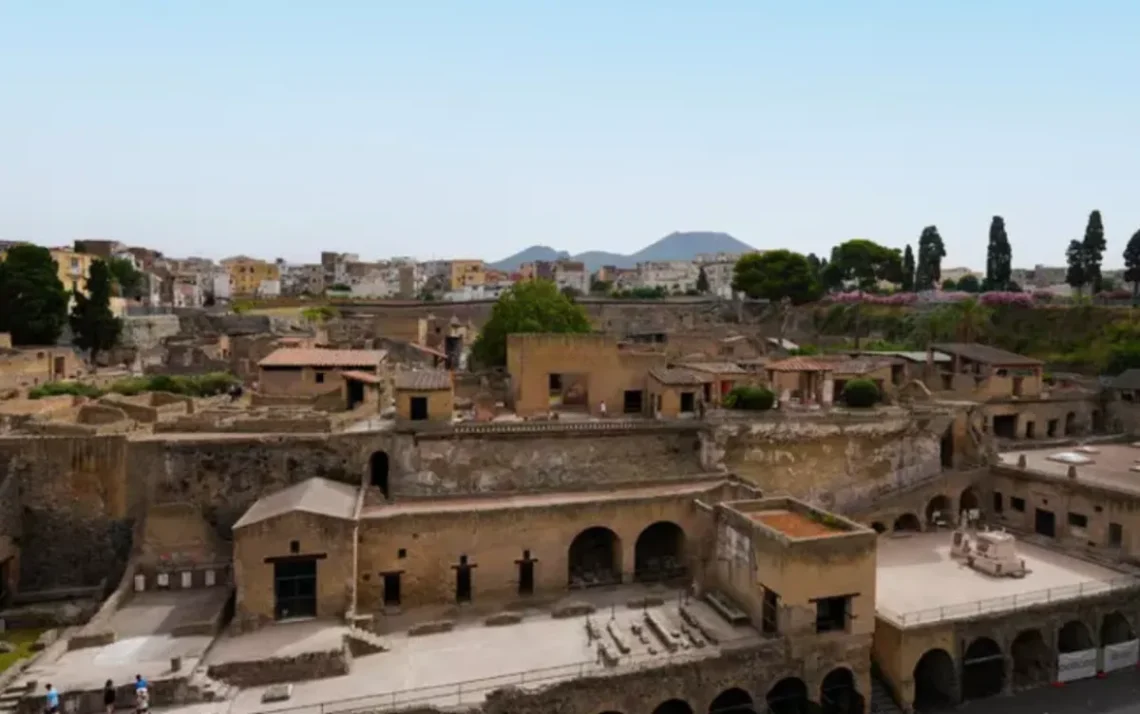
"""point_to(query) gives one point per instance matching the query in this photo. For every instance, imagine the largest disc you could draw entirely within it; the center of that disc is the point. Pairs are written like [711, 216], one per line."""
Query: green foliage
[1093, 250]
[1121, 357]
[970, 284]
[240, 307]
[1076, 275]
[865, 263]
[928, 267]
[532, 306]
[319, 313]
[1132, 263]
[656, 293]
[95, 328]
[999, 258]
[860, 393]
[702, 282]
[750, 398]
[776, 275]
[601, 287]
[129, 281]
[33, 301]
[56, 389]
[949, 284]
[804, 351]
[908, 270]
[199, 385]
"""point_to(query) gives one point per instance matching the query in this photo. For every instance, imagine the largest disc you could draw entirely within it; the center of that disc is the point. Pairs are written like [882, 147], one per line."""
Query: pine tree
[1093, 249]
[999, 258]
[33, 301]
[928, 267]
[1075, 276]
[1132, 263]
[96, 328]
[908, 270]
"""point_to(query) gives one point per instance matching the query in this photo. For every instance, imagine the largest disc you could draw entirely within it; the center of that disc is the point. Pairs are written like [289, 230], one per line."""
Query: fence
[1003, 604]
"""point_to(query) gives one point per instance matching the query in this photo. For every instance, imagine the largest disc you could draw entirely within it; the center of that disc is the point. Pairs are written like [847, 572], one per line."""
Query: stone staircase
[881, 700]
[10, 697]
[201, 687]
[361, 642]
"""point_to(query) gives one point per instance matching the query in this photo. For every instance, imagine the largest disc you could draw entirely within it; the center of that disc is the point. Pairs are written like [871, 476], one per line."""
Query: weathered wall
[147, 331]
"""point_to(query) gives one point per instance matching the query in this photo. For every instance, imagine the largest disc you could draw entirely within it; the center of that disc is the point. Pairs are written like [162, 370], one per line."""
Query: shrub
[860, 393]
[198, 385]
[756, 399]
[55, 389]
[804, 351]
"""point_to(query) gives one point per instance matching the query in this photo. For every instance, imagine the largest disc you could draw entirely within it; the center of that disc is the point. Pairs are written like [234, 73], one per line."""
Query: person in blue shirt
[140, 683]
[52, 698]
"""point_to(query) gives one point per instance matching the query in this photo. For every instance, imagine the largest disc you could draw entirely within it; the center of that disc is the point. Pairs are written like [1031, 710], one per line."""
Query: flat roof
[1110, 467]
[918, 583]
[319, 357]
[793, 524]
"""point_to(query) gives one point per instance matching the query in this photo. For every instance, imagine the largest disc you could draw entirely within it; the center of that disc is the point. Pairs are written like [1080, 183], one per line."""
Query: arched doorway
[940, 509]
[673, 706]
[1115, 629]
[1032, 661]
[878, 527]
[595, 558]
[1074, 637]
[983, 669]
[934, 681]
[907, 522]
[788, 696]
[838, 693]
[659, 553]
[378, 472]
[1070, 423]
[968, 501]
[732, 701]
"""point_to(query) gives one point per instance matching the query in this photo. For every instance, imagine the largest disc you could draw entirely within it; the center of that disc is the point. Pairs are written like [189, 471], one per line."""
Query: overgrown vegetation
[750, 398]
[860, 393]
[22, 641]
[199, 385]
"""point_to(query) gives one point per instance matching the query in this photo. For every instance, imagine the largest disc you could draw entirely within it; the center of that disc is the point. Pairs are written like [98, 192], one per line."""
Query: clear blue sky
[479, 127]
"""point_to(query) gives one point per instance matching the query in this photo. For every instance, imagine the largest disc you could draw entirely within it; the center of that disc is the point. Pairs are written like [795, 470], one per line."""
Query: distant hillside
[675, 246]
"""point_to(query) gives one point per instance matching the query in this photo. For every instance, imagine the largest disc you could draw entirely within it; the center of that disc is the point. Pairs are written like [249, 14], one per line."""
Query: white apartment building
[672, 276]
[719, 275]
[572, 274]
[219, 284]
[302, 278]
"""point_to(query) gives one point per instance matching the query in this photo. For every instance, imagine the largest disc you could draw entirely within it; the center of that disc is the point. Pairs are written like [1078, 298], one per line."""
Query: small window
[294, 546]
[554, 382]
[1017, 504]
[947, 381]
[463, 560]
[998, 505]
[1115, 535]
[402, 553]
[320, 377]
[1078, 520]
[831, 614]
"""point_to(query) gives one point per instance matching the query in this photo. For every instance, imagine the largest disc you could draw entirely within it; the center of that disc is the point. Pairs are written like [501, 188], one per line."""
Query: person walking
[142, 695]
[51, 700]
[109, 697]
[602, 408]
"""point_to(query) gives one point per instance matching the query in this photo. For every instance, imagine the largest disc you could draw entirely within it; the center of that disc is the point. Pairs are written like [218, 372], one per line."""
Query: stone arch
[878, 527]
[788, 696]
[934, 680]
[968, 500]
[1074, 636]
[1070, 423]
[983, 669]
[732, 701]
[378, 467]
[1032, 659]
[594, 558]
[839, 694]
[907, 522]
[1115, 629]
[940, 507]
[659, 553]
[673, 706]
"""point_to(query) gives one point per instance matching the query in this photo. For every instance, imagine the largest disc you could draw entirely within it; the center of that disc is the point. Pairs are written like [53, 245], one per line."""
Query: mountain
[675, 246]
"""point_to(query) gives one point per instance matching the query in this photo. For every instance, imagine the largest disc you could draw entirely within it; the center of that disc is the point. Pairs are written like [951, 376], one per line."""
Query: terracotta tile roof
[315, 357]
[715, 367]
[427, 380]
[366, 377]
[677, 377]
[802, 364]
[316, 495]
[986, 354]
[861, 366]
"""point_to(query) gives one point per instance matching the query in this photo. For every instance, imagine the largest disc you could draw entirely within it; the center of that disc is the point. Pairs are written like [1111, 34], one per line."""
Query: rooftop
[715, 367]
[1128, 379]
[366, 377]
[1109, 465]
[316, 357]
[802, 364]
[315, 495]
[910, 356]
[794, 519]
[677, 377]
[919, 583]
[986, 354]
[423, 380]
[792, 524]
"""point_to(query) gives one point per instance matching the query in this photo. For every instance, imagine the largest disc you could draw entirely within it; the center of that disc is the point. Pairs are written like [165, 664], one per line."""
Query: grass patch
[23, 640]
[199, 385]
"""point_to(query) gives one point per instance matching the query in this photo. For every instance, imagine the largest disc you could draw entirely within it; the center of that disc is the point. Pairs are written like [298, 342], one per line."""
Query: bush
[860, 393]
[757, 399]
[55, 389]
[199, 385]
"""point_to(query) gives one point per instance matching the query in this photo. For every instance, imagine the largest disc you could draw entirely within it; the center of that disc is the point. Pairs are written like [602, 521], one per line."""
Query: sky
[476, 128]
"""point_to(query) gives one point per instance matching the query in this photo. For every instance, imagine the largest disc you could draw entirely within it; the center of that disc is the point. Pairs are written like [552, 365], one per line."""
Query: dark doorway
[452, 348]
[1097, 421]
[1030, 430]
[688, 402]
[1115, 629]
[355, 393]
[391, 589]
[595, 558]
[1070, 424]
[463, 580]
[946, 448]
[58, 366]
[788, 696]
[770, 612]
[968, 500]
[418, 408]
[1032, 661]
[934, 681]
[378, 472]
[939, 510]
[526, 574]
[838, 693]
[1074, 637]
[732, 701]
[1051, 428]
[295, 588]
[706, 392]
[631, 401]
[1005, 427]
[5, 569]
[673, 706]
[878, 527]
[907, 522]
[659, 553]
[1045, 523]
[983, 669]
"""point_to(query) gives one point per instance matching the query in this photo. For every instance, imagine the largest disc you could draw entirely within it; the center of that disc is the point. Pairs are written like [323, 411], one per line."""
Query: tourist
[142, 695]
[602, 408]
[52, 699]
[109, 697]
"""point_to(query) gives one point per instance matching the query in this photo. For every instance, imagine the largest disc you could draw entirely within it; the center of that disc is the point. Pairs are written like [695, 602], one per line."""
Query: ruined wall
[148, 331]
[828, 462]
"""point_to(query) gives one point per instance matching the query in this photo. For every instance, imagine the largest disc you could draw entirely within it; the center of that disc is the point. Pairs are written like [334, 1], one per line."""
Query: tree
[970, 284]
[531, 306]
[908, 270]
[775, 275]
[702, 281]
[1093, 247]
[96, 328]
[866, 263]
[128, 280]
[969, 318]
[1076, 275]
[1132, 263]
[949, 284]
[999, 257]
[928, 267]
[33, 301]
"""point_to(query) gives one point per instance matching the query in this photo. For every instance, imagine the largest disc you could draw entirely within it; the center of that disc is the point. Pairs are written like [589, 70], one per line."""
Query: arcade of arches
[595, 555]
[838, 695]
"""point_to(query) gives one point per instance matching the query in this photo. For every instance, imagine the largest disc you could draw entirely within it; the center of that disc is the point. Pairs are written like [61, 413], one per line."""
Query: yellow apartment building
[247, 274]
[467, 273]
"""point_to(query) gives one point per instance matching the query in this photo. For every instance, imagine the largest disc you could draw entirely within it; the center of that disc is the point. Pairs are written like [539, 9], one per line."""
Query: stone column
[828, 391]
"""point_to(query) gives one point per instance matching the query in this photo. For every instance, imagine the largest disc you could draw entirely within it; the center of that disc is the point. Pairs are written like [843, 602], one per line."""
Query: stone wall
[147, 332]
[274, 670]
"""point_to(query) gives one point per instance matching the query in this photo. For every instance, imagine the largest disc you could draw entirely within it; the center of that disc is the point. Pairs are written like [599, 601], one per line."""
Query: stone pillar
[828, 391]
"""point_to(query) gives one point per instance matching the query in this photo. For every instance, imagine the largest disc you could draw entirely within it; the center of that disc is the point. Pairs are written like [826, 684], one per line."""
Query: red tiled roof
[366, 377]
[315, 357]
[802, 364]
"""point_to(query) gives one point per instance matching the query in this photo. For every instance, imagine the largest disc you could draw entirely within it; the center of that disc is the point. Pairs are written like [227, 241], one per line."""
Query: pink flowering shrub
[1042, 296]
[1003, 299]
[896, 299]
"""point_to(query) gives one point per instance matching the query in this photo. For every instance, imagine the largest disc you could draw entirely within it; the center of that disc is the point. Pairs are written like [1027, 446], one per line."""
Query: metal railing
[1009, 602]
